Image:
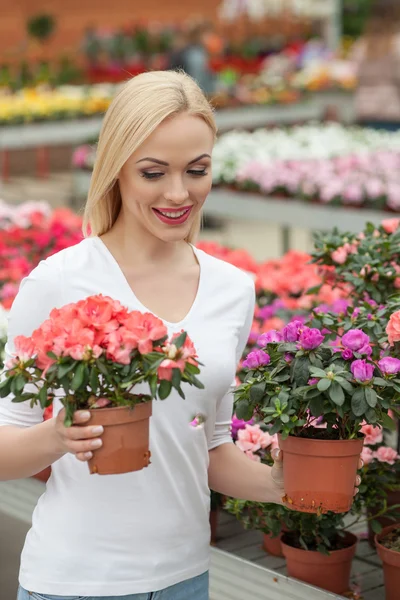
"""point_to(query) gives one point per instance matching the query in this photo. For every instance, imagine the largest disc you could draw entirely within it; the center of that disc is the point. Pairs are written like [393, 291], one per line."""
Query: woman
[377, 57]
[140, 535]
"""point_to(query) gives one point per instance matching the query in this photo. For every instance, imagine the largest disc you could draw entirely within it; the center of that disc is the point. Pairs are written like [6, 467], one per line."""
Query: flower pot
[391, 564]
[125, 439]
[272, 545]
[319, 475]
[214, 513]
[331, 573]
[392, 499]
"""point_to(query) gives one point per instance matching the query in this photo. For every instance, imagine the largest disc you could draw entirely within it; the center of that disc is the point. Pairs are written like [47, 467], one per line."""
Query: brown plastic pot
[391, 564]
[272, 545]
[392, 499]
[125, 439]
[319, 475]
[331, 573]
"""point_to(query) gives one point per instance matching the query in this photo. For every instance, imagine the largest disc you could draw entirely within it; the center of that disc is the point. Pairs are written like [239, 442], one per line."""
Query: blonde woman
[142, 535]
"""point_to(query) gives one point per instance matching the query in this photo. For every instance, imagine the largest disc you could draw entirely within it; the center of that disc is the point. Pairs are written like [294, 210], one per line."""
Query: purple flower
[253, 336]
[266, 312]
[362, 370]
[239, 424]
[340, 306]
[355, 314]
[256, 359]
[367, 350]
[271, 337]
[322, 308]
[310, 338]
[291, 332]
[389, 365]
[347, 354]
[288, 357]
[355, 339]
[312, 381]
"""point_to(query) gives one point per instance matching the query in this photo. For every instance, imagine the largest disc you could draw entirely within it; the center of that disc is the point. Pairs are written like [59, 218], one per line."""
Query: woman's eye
[198, 172]
[151, 175]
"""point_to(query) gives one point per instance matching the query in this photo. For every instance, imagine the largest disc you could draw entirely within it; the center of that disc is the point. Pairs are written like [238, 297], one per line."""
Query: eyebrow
[165, 164]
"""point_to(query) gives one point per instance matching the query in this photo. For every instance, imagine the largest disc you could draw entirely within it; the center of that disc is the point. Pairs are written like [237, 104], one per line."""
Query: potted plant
[388, 547]
[297, 377]
[319, 551]
[96, 352]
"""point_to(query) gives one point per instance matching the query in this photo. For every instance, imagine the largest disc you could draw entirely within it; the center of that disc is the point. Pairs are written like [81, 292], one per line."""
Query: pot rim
[316, 441]
[110, 408]
[349, 536]
[380, 535]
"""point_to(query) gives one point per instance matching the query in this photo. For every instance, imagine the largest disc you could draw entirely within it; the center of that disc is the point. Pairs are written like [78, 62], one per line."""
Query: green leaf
[324, 384]
[243, 410]
[317, 407]
[285, 418]
[257, 392]
[180, 340]
[164, 389]
[301, 370]
[77, 379]
[388, 423]
[336, 394]
[358, 402]
[176, 378]
[19, 383]
[346, 385]
[315, 372]
[43, 396]
[94, 380]
[64, 369]
[376, 526]
[5, 387]
[380, 382]
[371, 397]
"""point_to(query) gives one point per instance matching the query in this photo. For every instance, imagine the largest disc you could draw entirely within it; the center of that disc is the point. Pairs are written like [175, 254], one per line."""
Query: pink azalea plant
[97, 352]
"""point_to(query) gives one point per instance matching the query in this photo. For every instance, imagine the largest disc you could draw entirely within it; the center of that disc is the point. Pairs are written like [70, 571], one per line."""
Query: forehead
[180, 133]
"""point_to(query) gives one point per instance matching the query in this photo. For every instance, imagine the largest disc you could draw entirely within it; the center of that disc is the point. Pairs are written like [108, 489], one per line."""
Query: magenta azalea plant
[298, 378]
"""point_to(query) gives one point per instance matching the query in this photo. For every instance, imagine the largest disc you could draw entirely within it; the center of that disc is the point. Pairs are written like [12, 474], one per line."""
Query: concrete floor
[12, 537]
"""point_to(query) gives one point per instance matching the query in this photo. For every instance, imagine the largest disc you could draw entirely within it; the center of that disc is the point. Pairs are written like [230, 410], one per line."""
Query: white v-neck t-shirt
[138, 532]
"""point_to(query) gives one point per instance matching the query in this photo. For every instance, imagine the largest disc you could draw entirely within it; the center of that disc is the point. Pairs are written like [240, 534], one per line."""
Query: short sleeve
[222, 430]
[38, 294]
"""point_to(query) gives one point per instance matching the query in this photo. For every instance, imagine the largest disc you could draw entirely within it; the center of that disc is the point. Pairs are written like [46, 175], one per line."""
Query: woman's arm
[233, 474]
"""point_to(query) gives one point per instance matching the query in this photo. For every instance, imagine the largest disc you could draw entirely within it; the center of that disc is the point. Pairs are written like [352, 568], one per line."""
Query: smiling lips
[173, 216]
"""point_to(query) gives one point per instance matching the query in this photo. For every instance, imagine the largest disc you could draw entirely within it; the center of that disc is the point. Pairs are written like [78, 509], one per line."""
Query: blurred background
[307, 100]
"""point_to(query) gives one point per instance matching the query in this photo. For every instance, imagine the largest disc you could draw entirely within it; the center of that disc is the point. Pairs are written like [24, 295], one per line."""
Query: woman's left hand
[277, 477]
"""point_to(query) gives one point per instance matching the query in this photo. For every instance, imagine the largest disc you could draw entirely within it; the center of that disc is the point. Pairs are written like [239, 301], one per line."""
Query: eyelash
[158, 175]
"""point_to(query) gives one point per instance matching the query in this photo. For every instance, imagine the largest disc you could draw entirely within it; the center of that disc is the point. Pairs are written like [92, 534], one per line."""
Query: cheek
[200, 189]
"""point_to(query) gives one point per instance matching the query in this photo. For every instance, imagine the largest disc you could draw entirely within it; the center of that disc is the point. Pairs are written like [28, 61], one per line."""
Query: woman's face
[165, 183]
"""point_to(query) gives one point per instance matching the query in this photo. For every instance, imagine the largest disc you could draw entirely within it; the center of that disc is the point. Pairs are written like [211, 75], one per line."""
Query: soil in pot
[125, 439]
[393, 498]
[319, 475]
[388, 547]
[331, 573]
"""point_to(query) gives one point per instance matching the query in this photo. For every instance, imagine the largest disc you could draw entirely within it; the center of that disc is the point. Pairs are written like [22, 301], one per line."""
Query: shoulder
[71, 258]
[222, 275]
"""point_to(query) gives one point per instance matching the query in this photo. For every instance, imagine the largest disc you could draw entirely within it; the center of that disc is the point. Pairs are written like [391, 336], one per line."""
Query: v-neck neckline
[173, 324]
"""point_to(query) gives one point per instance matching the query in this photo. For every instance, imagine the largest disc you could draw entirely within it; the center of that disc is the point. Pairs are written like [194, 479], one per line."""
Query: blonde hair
[144, 102]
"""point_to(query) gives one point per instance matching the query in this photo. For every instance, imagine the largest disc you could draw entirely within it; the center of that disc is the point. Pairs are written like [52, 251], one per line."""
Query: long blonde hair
[143, 103]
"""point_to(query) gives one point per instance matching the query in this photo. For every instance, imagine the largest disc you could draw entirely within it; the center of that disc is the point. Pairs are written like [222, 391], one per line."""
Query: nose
[178, 193]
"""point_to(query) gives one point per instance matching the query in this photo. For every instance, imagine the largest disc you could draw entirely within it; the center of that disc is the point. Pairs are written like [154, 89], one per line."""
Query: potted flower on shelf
[388, 547]
[296, 378]
[96, 353]
[317, 548]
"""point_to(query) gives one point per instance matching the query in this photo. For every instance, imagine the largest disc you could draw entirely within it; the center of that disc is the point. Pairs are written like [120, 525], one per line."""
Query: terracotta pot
[214, 513]
[272, 545]
[391, 564]
[331, 573]
[392, 499]
[125, 439]
[320, 475]
[43, 475]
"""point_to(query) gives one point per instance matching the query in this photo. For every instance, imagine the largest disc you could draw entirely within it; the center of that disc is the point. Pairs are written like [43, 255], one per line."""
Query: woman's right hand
[77, 440]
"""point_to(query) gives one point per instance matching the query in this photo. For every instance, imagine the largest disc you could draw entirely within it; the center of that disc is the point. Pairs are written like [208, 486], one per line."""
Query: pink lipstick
[173, 216]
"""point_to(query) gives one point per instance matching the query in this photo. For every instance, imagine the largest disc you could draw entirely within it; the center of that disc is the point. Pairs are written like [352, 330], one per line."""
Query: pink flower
[24, 348]
[339, 256]
[386, 454]
[367, 455]
[252, 439]
[373, 435]
[390, 225]
[393, 328]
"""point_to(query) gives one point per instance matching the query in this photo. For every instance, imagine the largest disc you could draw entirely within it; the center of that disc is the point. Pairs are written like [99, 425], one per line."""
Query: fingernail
[96, 443]
[84, 415]
[97, 430]
[277, 453]
[88, 454]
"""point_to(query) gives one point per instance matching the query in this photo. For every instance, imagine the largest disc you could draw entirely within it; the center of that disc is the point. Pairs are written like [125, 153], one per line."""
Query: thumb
[277, 456]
